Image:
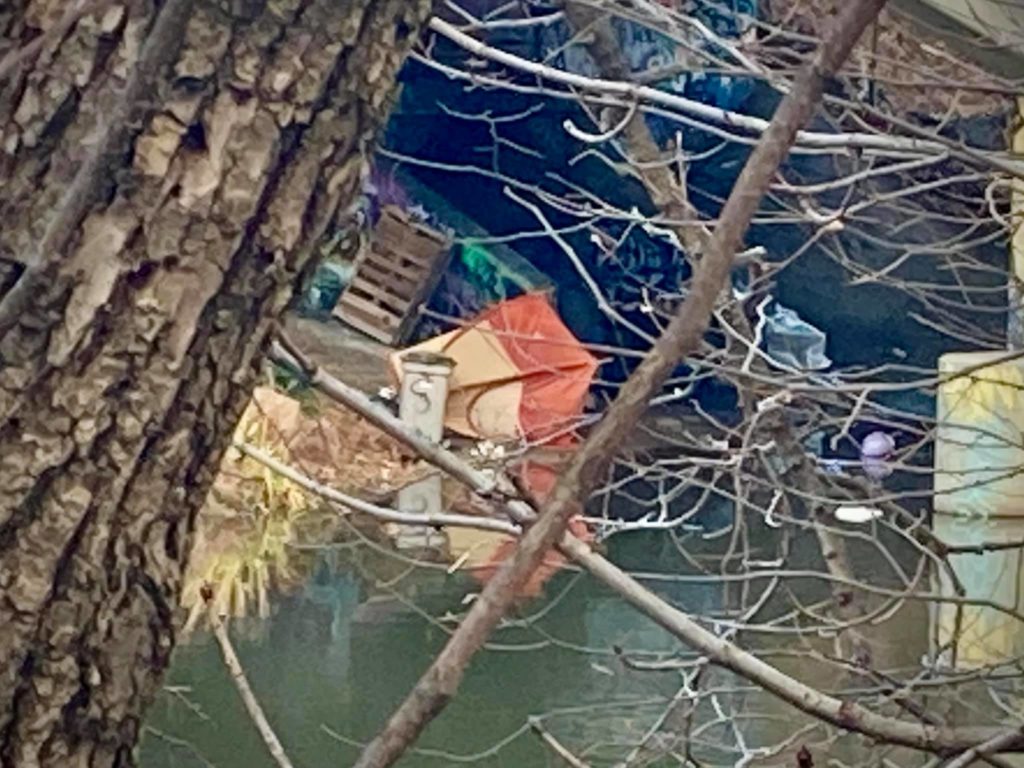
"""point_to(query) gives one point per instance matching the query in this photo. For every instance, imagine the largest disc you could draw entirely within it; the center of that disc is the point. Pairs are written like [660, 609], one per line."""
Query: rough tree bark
[120, 386]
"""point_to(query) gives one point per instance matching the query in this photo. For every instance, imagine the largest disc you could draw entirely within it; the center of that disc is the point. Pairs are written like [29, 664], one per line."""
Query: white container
[424, 392]
[979, 444]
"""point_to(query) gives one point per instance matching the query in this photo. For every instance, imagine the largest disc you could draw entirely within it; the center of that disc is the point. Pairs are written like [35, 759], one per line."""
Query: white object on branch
[857, 514]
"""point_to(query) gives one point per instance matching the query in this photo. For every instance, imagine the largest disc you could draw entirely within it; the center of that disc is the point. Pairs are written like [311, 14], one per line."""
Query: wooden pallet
[394, 274]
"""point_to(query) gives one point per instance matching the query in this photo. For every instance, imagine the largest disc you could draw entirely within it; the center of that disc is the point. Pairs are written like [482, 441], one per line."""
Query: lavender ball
[875, 452]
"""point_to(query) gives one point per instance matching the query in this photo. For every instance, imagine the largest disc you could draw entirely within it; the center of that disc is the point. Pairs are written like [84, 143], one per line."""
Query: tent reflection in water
[519, 373]
[481, 552]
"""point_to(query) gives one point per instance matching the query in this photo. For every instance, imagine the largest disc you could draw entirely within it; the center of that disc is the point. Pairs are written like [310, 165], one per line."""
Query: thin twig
[252, 706]
[381, 513]
[721, 652]
[556, 746]
[178, 743]
[988, 749]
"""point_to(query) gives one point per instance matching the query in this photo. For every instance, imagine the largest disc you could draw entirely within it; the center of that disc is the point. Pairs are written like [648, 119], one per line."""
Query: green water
[341, 652]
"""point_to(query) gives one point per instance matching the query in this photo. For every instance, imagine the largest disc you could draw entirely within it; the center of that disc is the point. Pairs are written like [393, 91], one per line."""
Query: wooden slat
[383, 335]
[401, 242]
[390, 227]
[367, 283]
[394, 263]
[385, 322]
[423, 245]
[372, 311]
[407, 252]
[424, 257]
[373, 271]
[394, 213]
[429, 234]
[399, 283]
[375, 294]
[386, 305]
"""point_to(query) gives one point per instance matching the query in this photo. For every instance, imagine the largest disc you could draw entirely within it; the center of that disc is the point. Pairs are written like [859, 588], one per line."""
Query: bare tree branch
[348, 502]
[440, 683]
[847, 715]
[986, 750]
[556, 746]
[632, 93]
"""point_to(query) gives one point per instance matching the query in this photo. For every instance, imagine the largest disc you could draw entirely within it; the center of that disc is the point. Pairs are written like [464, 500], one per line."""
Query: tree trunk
[120, 386]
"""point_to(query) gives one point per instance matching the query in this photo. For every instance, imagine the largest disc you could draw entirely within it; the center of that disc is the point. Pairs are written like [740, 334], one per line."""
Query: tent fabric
[518, 373]
[483, 552]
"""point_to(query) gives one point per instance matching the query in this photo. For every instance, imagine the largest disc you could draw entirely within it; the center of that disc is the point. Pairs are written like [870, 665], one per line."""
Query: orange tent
[518, 373]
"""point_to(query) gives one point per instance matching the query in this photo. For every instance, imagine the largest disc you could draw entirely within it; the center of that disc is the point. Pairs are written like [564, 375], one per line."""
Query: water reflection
[987, 635]
[334, 621]
[339, 651]
[988, 639]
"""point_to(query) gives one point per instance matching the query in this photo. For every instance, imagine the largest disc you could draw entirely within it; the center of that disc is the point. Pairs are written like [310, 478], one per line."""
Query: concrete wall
[966, 21]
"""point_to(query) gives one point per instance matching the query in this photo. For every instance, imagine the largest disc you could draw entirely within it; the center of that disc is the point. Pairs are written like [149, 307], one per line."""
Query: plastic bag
[794, 342]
